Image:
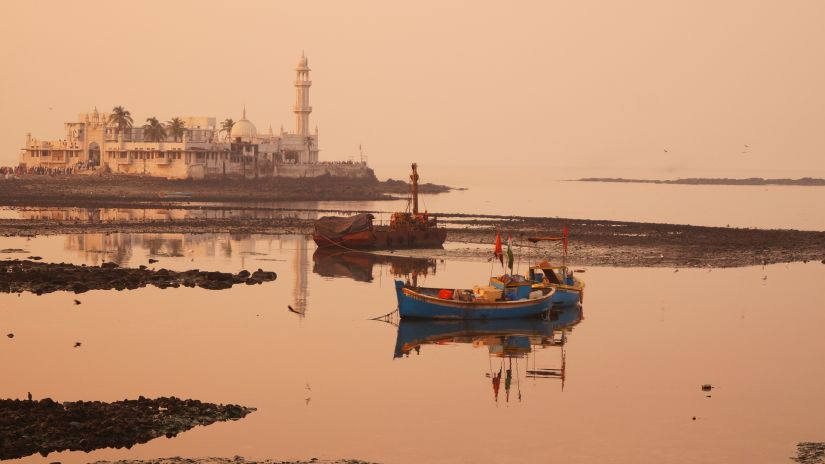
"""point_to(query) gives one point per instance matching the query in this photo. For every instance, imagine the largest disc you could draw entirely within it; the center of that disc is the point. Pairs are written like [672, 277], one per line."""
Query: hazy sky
[597, 88]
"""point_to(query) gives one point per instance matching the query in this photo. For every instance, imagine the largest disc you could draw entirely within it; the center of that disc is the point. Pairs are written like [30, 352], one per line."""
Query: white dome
[243, 129]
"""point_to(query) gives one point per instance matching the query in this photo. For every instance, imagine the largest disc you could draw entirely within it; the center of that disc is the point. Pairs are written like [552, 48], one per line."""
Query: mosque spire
[244, 111]
[302, 108]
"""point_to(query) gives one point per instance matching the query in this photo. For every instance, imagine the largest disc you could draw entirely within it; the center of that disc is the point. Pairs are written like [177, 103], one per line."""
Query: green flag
[509, 255]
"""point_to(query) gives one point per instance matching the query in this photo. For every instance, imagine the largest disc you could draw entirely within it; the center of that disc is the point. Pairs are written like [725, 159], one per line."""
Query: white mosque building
[204, 149]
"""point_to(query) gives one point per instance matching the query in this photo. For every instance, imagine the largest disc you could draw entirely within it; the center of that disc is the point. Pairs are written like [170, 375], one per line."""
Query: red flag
[498, 252]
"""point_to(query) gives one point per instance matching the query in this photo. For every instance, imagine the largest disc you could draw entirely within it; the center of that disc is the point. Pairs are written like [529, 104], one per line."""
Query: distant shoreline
[594, 242]
[123, 190]
[803, 181]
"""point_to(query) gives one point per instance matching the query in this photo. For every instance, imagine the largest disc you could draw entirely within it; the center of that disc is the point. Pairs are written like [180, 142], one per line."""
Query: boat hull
[401, 238]
[565, 296]
[386, 239]
[415, 305]
[357, 240]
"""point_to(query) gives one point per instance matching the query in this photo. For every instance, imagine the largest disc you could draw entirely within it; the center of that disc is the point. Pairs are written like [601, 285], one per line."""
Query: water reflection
[359, 265]
[251, 251]
[512, 345]
[104, 215]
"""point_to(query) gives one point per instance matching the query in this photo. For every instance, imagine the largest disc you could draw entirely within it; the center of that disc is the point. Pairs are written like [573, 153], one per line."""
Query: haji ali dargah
[189, 147]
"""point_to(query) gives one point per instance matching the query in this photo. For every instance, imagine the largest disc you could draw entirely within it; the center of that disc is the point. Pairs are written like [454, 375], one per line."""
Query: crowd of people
[8, 172]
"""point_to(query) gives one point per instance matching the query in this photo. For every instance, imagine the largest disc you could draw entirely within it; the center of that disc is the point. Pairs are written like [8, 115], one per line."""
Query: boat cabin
[514, 287]
[559, 275]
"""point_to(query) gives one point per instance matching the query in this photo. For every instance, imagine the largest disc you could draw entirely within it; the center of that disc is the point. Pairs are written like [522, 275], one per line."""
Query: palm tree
[227, 125]
[121, 117]
[176, 128]
[153, 130]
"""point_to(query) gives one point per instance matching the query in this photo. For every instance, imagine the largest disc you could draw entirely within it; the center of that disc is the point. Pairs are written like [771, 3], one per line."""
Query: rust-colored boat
[410, 229]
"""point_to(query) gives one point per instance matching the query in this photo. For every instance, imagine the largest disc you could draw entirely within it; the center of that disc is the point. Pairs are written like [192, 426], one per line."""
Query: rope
[390, 318]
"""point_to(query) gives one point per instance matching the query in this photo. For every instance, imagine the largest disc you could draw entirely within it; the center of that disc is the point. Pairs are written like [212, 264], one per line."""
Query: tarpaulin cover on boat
[336, 227]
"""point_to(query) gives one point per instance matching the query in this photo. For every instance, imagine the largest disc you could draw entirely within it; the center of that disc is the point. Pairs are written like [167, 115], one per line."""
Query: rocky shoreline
[18, 276]
[803, 181]
[592, 243]
[122, 189]
[234, 460]
[28, 427]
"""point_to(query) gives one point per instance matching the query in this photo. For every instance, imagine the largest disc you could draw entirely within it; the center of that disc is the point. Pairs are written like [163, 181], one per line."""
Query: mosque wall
[354, 170]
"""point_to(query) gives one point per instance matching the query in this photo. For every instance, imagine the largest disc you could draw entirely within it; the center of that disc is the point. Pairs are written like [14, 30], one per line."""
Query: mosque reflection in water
[512, 345]
[251, 251]
[127, 249]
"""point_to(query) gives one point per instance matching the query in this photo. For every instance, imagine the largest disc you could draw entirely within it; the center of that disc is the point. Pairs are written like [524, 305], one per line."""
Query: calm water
[534, 195]
[332, 384]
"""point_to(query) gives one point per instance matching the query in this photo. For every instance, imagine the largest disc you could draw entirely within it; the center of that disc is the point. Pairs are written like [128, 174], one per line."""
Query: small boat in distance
[409, 229]
[479, 303]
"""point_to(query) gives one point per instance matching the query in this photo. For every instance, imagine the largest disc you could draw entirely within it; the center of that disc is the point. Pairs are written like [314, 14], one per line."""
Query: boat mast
[414, 188]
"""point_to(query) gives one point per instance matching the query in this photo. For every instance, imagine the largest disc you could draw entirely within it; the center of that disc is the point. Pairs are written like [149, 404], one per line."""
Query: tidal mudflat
[593, 242]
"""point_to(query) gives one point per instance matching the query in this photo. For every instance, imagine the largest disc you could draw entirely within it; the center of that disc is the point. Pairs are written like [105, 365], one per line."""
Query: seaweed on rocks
[28, 276]
[29, 427]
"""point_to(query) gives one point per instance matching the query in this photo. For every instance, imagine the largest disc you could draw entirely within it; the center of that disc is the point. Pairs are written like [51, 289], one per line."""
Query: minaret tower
[302, 108]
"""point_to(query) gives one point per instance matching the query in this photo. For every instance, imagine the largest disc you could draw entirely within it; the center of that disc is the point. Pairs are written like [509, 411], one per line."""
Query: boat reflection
[508, 341]
[359, 265]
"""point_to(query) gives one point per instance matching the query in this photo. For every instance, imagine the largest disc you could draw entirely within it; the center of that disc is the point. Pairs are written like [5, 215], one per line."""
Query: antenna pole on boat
[414, 188]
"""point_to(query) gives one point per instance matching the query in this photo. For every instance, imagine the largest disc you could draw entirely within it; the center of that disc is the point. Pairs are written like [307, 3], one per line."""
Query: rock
[40, 278]
[45, 426]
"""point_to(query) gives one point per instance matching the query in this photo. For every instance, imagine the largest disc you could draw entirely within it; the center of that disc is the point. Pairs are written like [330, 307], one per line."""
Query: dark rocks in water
[810, 452]
[232, 460]
[35, 258]
[19, 275]
[45, 426]
[263, 276]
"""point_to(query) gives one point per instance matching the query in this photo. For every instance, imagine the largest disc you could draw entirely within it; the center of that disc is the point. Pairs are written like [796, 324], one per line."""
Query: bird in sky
[77, 302]
[77, 344]
[665, 150]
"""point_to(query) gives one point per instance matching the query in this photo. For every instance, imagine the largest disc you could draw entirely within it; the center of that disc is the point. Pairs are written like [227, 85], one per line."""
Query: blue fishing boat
[569, 288]
[479, 303]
